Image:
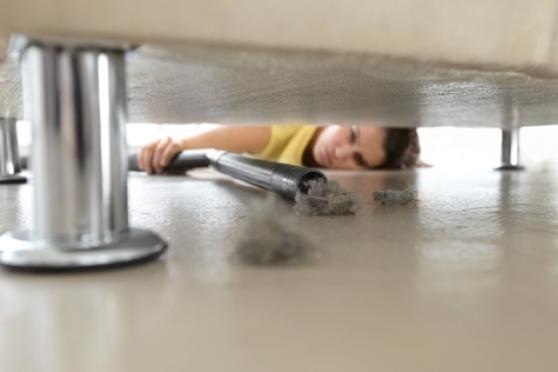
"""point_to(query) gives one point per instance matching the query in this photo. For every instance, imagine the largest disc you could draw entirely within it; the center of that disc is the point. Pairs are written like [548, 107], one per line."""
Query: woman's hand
[157, 155]
[154, 157]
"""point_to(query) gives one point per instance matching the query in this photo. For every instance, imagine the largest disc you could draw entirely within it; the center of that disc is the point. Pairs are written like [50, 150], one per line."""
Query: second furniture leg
[9, 153]
[510, 159]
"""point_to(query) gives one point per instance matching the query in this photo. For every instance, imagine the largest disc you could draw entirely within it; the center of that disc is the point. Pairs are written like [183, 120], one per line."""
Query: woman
[330, 146]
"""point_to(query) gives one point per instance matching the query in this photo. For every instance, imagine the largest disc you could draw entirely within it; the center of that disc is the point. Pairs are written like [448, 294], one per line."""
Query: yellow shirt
[287, 143]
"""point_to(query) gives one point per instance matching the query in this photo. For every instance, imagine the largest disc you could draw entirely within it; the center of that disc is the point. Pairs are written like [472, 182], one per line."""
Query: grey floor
[465, 279]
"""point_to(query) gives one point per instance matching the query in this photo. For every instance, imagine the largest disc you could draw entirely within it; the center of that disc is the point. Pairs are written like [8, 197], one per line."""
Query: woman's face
[349, 147]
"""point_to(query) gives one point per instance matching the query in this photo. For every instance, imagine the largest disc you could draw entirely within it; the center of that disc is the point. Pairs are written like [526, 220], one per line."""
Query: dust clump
[395, 197]
[270, 238]
[326, 198]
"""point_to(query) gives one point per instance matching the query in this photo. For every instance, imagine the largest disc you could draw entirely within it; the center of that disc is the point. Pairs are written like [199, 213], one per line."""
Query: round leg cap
[16, 178]
[19, 252]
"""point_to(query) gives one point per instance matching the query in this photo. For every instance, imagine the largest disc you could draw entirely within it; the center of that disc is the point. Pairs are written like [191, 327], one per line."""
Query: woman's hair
[402, 148]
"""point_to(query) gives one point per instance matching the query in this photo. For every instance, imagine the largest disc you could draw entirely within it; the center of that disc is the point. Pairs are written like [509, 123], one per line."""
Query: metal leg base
[16, 178]
[19, 252]
[510, 168]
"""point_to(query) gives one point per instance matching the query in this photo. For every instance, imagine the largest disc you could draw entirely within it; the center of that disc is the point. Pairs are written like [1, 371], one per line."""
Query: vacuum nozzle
[283, 179]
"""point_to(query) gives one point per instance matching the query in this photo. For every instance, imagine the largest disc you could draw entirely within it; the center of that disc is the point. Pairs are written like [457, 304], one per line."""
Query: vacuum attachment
[283, 179]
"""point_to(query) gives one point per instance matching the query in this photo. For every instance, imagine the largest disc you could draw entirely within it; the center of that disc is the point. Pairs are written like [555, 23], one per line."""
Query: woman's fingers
[170, 152]
[146, 156]
[158, 153]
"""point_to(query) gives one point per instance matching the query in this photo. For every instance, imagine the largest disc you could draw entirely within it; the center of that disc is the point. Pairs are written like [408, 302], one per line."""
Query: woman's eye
[352, 135]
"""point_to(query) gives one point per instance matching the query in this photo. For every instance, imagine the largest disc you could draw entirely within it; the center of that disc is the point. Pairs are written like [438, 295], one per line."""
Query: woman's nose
[343, 152]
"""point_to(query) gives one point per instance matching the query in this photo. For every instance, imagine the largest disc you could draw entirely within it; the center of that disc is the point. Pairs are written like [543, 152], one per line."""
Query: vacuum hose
[283, 179]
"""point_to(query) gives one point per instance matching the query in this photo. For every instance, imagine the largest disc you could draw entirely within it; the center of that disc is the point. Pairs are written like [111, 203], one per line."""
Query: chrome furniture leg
[510, 150]
[75, 97]
[9, 155]
[510, 138]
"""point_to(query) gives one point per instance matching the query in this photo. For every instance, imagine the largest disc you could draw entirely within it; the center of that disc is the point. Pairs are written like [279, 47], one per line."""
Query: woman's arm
[235, 138]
